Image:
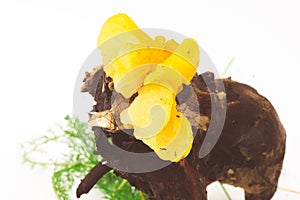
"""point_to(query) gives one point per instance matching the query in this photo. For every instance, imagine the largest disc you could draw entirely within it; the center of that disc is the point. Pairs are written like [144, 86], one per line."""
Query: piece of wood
[248, 154]
[92, 178]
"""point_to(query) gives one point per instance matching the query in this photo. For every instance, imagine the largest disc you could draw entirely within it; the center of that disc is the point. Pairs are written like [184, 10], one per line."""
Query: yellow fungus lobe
[174, 142]
[150, 111]
[185, 59]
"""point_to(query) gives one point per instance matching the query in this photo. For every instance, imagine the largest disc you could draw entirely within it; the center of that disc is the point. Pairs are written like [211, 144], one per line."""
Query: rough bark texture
[248, 154]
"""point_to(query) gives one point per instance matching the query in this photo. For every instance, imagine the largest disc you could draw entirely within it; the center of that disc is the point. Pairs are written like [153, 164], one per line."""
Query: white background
[44, 43]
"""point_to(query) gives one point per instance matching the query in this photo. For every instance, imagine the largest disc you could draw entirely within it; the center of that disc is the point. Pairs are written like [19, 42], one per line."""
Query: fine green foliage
[75, 161]
[120, 190]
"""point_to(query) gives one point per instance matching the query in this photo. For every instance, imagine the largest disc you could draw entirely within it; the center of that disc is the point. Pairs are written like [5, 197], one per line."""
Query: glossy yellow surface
[150, 111]
[116, 25]
[132, 68]
[174, 141]
[185, 59]
[166, 77]
[156, 69]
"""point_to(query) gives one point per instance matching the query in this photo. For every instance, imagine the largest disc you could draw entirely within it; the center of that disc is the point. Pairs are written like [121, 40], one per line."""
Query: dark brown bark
[92, 178]
[248, 154]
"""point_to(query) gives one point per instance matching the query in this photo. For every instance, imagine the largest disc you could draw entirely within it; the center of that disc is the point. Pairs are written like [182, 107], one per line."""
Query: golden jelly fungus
[128, 67]
[185, 59]
[155, 69]
[150, 111]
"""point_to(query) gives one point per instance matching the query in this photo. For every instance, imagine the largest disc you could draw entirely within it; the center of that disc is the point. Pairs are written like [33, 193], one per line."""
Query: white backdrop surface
[44, 43]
